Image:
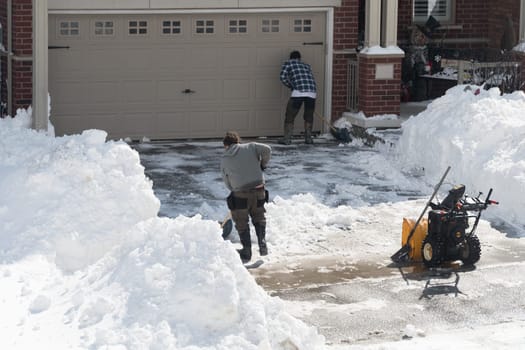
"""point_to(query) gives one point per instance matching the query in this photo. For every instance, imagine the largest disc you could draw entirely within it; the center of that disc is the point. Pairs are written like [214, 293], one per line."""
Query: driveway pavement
[360, 303]
[187, 181]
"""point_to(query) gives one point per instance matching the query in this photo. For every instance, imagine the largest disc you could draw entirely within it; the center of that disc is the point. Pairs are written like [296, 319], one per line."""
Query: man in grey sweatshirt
[242, 168]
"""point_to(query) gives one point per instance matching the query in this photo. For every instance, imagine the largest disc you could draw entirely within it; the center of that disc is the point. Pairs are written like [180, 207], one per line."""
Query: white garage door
[178, 75]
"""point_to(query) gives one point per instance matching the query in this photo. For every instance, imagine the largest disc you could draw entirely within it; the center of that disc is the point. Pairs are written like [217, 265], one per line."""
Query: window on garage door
[103, 28]
[137, 27]
[171, 27]
[204, 26]
[69, 28]
[270, 25]
[237, 26]
[302, 25]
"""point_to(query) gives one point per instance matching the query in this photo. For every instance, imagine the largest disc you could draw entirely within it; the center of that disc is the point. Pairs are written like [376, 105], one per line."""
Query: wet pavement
[187, 181]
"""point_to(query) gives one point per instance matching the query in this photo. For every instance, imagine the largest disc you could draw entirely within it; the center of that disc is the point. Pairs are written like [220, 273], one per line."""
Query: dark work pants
[254, 209]
[294, 105]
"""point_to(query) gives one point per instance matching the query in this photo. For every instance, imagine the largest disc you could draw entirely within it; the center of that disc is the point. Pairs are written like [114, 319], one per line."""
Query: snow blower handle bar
[478, 205]
[489, 201]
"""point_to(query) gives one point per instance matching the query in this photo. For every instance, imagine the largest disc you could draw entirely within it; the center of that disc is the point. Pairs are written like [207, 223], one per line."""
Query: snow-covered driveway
[333, 221]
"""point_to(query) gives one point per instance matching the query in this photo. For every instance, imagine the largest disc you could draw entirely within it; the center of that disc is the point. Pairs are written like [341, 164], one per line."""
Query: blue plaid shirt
[298, 75]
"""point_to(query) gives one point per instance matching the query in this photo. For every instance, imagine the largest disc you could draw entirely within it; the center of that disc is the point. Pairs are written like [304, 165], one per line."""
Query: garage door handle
[188, 91]
[57, 47]
[314, 43]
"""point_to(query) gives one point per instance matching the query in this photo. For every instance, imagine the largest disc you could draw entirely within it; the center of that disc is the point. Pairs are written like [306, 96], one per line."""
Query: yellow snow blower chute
[416, 241]
[415, 232]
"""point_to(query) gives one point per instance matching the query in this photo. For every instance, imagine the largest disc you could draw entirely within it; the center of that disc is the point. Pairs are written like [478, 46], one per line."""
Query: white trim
[329, 59]
[40, 65]
[372, 23]
[522, 21]
[180, 11]
[390, 23]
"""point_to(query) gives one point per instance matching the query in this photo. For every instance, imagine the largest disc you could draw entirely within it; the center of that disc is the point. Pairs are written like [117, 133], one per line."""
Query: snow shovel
[402, 254]
[226, 225]
[341, 134]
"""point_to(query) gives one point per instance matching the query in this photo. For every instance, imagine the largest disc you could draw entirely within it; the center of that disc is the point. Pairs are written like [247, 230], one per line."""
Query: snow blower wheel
[470, 252]
[431, 252]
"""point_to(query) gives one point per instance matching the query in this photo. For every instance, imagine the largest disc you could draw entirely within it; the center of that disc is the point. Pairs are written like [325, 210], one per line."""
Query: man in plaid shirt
[298, 77]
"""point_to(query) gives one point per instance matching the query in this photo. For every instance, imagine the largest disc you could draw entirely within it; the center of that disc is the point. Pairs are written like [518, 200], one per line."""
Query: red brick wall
[378, 96]
[477, 18]
[404, 21]
[497, 19]
[3, 59]
[345, 37]
[22, 47]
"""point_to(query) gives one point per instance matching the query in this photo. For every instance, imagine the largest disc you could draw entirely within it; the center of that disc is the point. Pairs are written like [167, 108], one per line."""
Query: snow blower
[443, 237]
[409, 249]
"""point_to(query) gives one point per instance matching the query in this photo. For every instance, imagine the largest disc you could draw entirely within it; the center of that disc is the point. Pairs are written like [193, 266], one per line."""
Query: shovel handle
[428, 203]
[326, 121]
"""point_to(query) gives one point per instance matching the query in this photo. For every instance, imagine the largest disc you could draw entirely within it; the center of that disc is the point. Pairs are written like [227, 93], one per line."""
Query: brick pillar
[3, 57]
[22, 51]
[379, 84]
[345, 40]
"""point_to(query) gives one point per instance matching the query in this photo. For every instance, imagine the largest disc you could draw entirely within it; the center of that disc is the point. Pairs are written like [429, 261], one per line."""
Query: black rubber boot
[246, 252]
[288, 131]
[261, 239]
[308, 133]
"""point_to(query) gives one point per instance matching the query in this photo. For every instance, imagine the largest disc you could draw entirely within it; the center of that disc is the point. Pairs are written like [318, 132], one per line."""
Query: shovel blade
[227, 227]
[341, 134]
[401, 255]
[344, 135]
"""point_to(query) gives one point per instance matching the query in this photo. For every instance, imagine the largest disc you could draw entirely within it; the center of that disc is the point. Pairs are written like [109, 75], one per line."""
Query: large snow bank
[480, 134]
[86, 263]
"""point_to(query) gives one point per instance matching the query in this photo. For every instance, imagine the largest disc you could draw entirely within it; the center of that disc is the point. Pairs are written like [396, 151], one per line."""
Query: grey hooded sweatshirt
[241, 165]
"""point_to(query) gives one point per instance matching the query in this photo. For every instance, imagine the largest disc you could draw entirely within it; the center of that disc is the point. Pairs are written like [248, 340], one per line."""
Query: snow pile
[85, 256]
[480, 134]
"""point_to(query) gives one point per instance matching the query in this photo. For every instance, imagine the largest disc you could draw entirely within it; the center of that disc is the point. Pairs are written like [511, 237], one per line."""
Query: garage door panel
[171, 91]
[267, 57]
[172, 123]
[138, 59]
[171, 60]
[236, 89]
[108, 60]
[137, 91]
[130, 122]
[270, 120]
[203, 58]
[238, 120]
[68, 59]
[203, 123]
[70, 92]
[237, 57]
[205, 91]
[268, 89]
[75, 124]
[78, 92]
